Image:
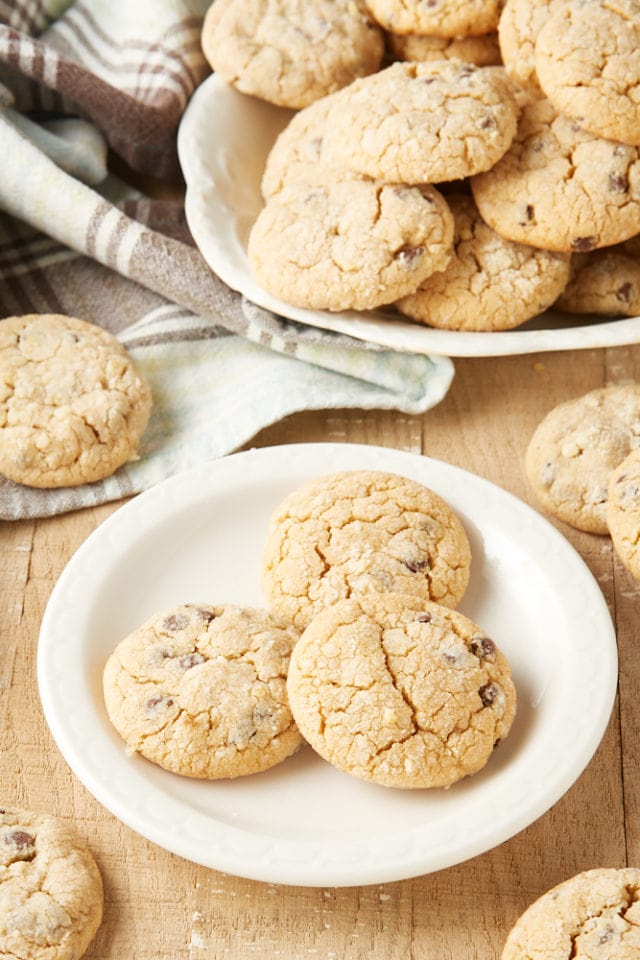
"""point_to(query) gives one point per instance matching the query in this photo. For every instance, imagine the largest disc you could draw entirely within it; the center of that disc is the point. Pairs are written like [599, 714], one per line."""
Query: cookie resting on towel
[72, 404]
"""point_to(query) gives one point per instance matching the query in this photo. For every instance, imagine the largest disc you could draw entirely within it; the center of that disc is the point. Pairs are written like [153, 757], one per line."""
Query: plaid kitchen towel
[99, 73]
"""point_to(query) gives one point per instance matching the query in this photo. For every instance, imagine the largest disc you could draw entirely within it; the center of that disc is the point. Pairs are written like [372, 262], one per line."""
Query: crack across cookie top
[291, 52]
[72, 404]
[423, 122]
[560, 187]
[201, 690]
[349, 243]
[362, 532]
[587, 59]
[574, 449]
[400, 692]
[592, 916]
[490, 283]
[51, 897]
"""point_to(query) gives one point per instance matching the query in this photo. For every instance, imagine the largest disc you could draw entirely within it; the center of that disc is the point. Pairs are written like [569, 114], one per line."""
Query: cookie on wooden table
[483, 50]
[362, 532]
[623, 511]
[490, 283]
[291, 52]
[438, 18]
[592, 916]
[587, 58]
[72, 404]
[51, 897]
[423, 122]
[560, 187]
[201, 690]
[349, 243]
[575, 448]
[400, 692]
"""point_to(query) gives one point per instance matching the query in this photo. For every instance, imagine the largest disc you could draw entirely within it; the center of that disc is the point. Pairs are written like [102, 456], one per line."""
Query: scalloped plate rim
[279, 860]
[219, 247]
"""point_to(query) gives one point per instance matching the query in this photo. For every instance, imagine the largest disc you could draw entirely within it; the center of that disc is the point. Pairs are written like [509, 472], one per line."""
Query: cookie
[439, 18]
[423, 122]
[574, 449]
[349, 243]
[593, 916]
[587, 58]
[519, 25]
[483, 51]
[559, 187]
[360, 532]
[72, 404]
[201, 690]
[51, 897]
[490, 283]
[604, 282]
[290, 52]
[623, 511]
[400, 692]
[297, 155]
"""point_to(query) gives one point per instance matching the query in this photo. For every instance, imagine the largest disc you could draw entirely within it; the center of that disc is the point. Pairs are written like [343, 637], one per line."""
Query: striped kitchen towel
[75, 240]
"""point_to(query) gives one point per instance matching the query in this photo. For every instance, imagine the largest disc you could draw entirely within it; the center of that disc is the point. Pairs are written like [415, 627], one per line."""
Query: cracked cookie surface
[559, 187]
[362, 532]
[520, 23]
[399, 691]
[349, 243]
[201, 690]
[623, 511]
[605, 282]
[592, 916]
[440, 18]
[483, 51]
[587, 59]
[575, 448]
[297, 156]
[72, 404]
[291, 52]
[490, 283]
[423, 122]
[51, 897]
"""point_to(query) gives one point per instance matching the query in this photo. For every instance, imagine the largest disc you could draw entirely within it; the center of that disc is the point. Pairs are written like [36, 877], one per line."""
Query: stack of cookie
[387, 682]
[537, 159]
[583, 463]
[361, 652]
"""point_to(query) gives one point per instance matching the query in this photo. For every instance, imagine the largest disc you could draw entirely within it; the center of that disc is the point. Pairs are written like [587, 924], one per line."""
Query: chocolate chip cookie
[400, 692]
[201, 690]
[73, 406]
[51, 897]
[349, 243]
[575, 449]
[360, 532]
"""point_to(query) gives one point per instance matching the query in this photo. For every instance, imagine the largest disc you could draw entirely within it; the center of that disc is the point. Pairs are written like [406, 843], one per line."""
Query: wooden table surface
[158, 905]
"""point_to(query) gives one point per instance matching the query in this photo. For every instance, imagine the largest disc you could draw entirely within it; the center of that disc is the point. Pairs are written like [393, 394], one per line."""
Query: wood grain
[158, 905]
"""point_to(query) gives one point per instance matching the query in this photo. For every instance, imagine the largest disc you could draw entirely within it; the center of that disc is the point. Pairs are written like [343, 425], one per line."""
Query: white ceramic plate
[223, 142]
[199, 537]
